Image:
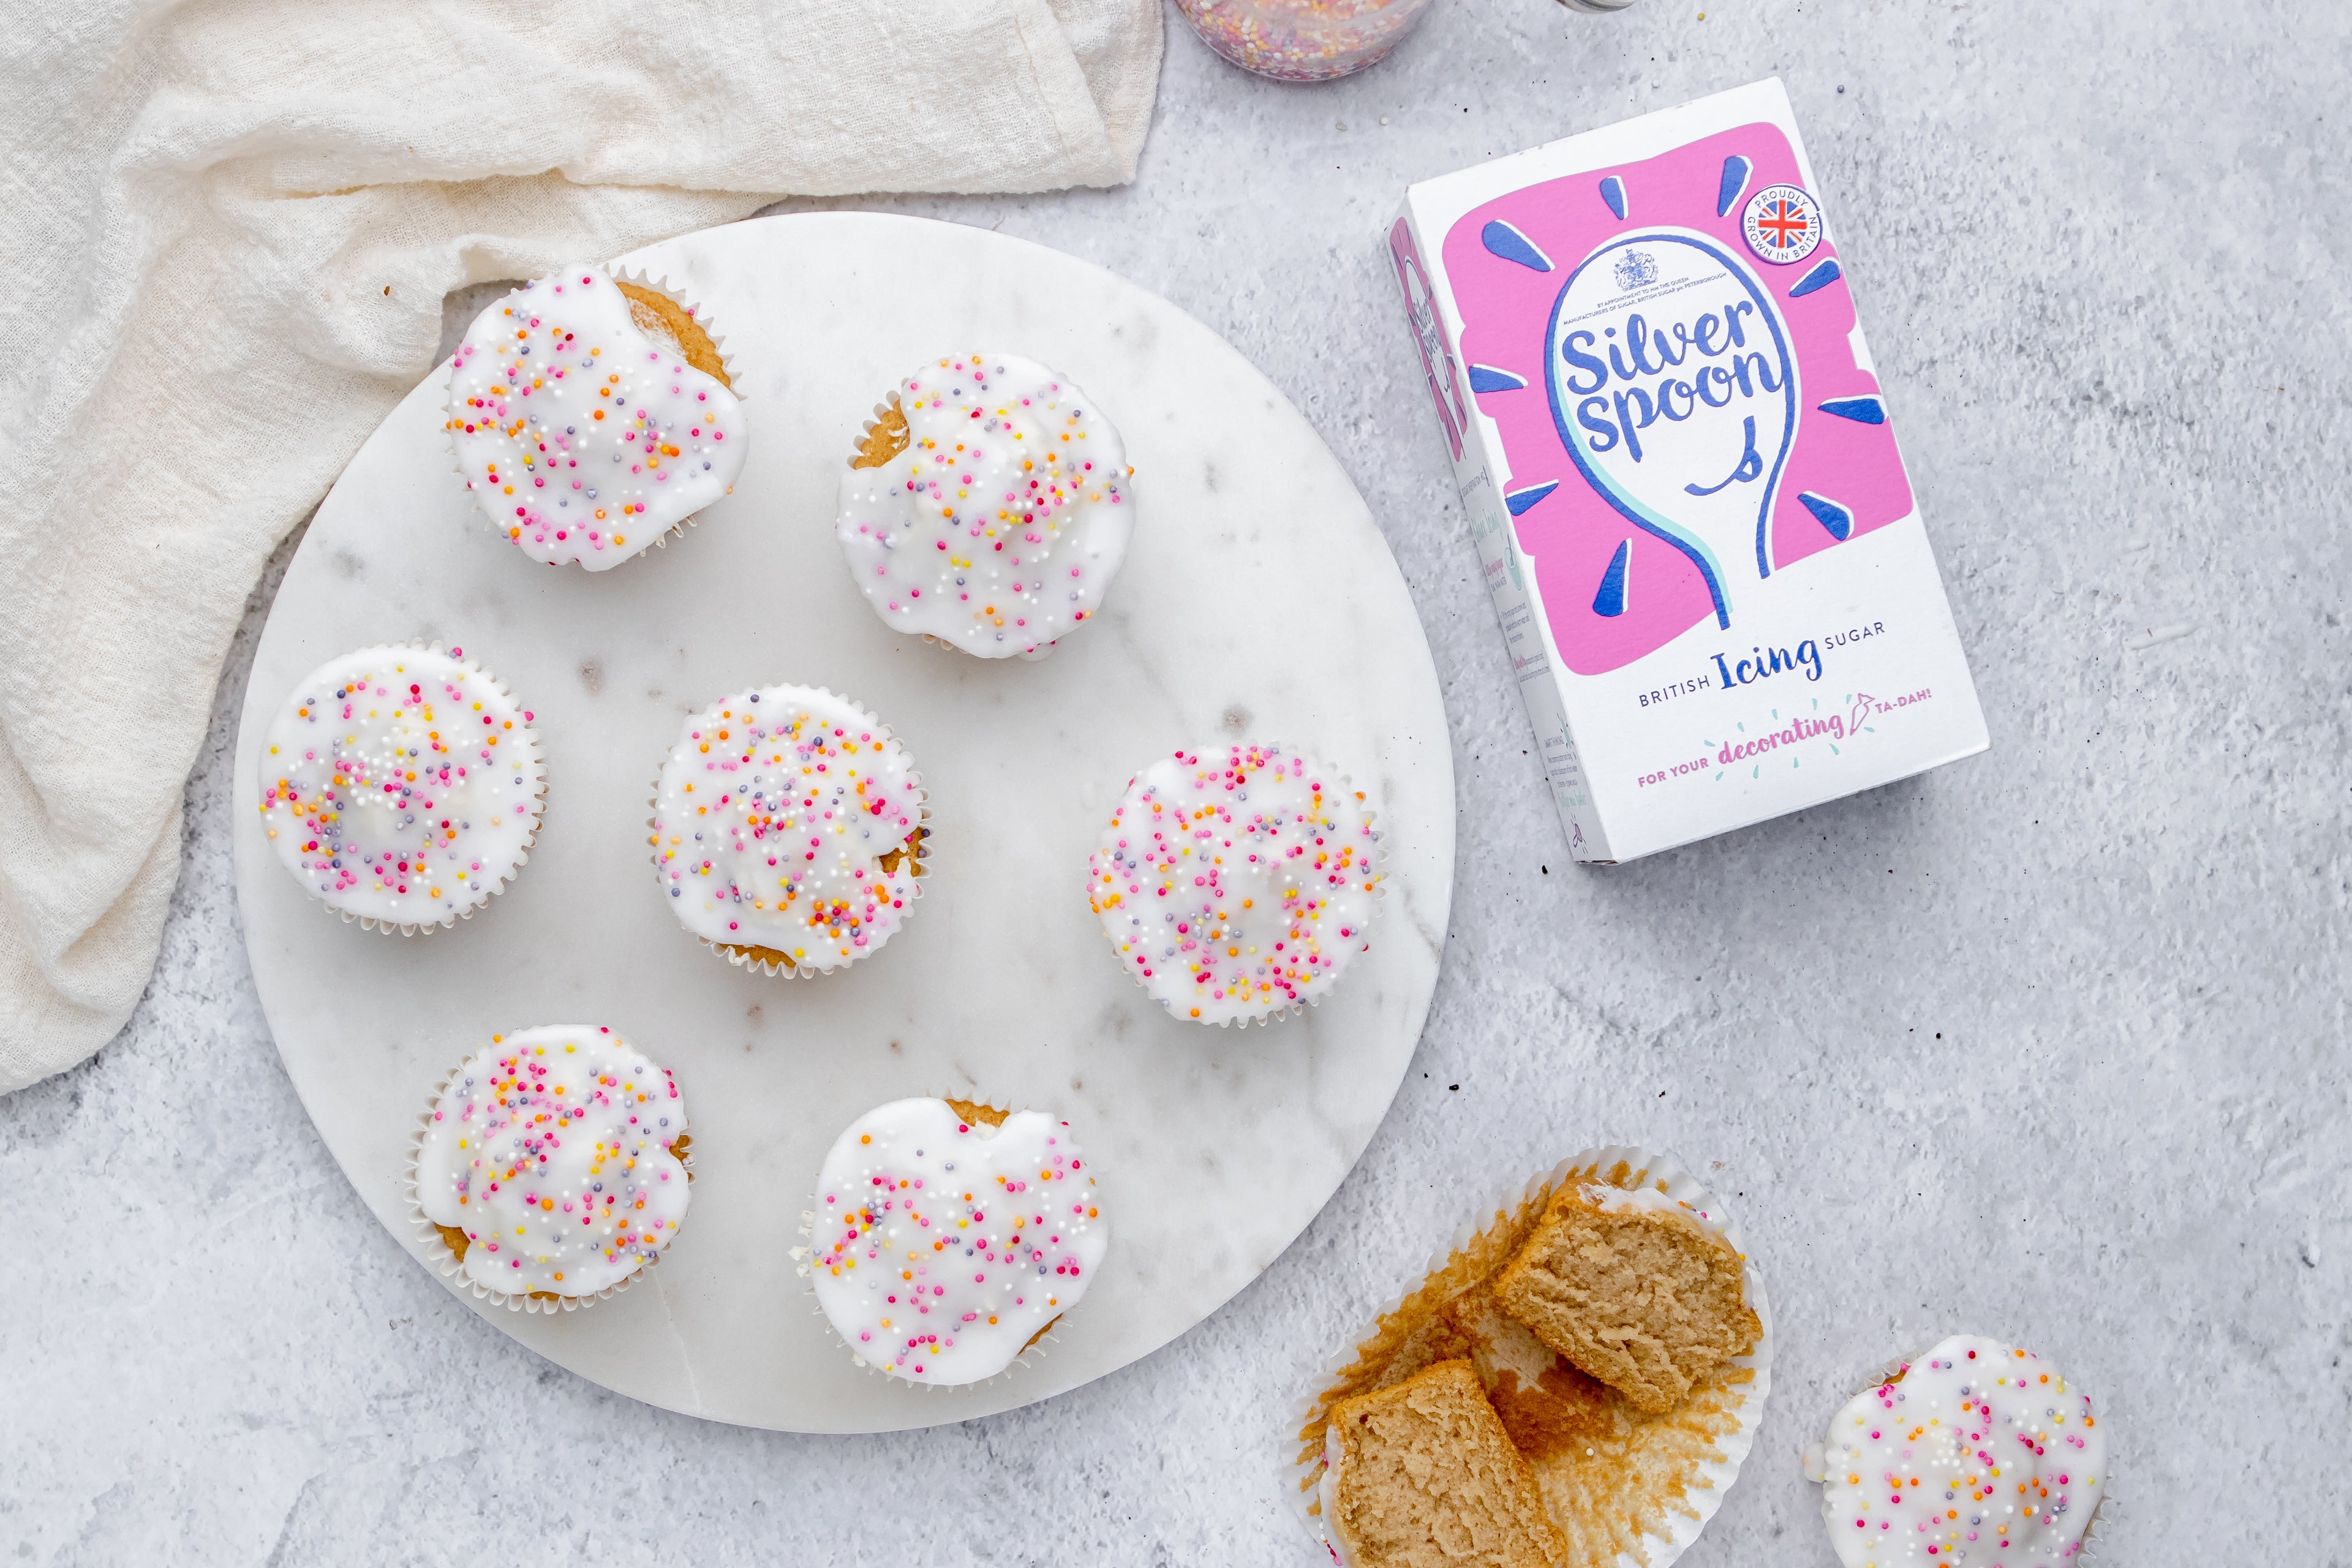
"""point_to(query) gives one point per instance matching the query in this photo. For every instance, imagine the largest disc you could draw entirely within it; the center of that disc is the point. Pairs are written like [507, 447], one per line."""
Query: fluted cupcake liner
[1477, 1250]
[639, 277]
[746, 955]
[1291, 1009]
[1038, 1349]
[437, 1255]
[537, 773]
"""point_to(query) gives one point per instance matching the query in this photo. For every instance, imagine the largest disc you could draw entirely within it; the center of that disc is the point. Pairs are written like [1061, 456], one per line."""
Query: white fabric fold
[227, 229]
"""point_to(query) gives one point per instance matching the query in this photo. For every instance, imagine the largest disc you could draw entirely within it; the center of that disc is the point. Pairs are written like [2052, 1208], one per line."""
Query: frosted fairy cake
[787, 830]
[401, 785]
[1236, 882]
[592, 416]
[1977, 1454]
[552, 1164]
[948, 1236]
[1614, 1248]
[986, 507]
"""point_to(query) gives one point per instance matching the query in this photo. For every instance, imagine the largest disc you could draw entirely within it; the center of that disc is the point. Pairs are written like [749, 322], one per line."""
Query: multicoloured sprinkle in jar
[1303, 40]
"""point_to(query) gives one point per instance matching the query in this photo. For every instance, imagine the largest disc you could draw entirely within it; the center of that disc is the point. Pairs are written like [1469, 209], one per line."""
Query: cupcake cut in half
[592, 416]
[1635, 1289]
[986, 507]
[948, 1236]
[787, 830]
[553, 1163]
[1236, 882]
[401, 785]
[1421, 1475]
[1616, 1482]
[1976, 1453]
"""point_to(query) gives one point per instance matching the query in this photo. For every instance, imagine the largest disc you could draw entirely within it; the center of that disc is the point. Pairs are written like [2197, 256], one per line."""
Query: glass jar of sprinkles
[1302, 40]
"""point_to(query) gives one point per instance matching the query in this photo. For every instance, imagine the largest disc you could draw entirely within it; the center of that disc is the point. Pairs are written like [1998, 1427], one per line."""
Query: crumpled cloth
[225, 231]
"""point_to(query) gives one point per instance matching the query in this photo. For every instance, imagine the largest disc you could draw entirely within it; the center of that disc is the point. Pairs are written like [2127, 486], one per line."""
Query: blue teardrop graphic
[1861, 410]
[1821, 276]
[1519, 501]
[1613, 191]
[1611, 599]
[1837, 519]
[1735, 169]
[1509, 243]
[1486, 378]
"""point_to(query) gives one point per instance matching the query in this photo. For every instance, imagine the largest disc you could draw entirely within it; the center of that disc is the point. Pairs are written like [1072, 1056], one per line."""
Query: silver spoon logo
[1674, 390]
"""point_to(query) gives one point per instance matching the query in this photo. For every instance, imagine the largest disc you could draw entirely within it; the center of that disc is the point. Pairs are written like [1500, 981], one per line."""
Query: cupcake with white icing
[947, 1237]
[987, 506]
[592, 417]
[401, 786]
[787, 830]
[1978, 1454]
[552, 1166]
[1236, 882]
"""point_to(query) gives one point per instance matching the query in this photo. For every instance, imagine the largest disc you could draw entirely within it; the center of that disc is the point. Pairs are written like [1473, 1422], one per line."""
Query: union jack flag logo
[1783, 223]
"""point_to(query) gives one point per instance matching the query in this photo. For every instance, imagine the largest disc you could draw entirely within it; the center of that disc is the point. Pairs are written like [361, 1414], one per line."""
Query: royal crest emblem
[1635, 269]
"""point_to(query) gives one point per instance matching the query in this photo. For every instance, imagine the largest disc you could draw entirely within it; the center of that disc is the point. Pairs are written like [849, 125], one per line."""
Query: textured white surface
[1216, 1146]
[2128, 922]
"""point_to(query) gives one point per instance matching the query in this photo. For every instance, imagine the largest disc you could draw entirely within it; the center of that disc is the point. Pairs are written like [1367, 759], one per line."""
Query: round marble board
[1259, 601]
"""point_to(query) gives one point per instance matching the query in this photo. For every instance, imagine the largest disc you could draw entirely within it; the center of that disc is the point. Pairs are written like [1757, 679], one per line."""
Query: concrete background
[2047, 1045]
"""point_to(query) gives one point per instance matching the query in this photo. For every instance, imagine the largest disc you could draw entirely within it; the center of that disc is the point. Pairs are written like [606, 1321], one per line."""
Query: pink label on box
[1665, 350]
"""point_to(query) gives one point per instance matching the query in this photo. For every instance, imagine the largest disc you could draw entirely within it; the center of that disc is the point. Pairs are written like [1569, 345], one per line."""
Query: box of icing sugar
[1682, 477]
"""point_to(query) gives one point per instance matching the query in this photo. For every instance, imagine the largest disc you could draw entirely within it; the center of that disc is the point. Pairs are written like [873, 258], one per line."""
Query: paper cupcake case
[436, 1252]
[1038, 1349]
[1296, 1009]
[538, 773]
[926, 861]
[639, 277]
[1475, 1251]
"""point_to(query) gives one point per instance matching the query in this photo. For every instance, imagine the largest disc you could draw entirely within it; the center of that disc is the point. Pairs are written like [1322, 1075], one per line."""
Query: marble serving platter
[1259, 601]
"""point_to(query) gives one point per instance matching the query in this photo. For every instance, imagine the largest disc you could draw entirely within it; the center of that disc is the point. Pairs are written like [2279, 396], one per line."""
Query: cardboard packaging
[1682, 476]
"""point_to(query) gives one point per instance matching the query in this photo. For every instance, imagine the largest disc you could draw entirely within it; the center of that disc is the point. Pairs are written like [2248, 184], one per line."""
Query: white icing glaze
[401, 785]
[940, 1248]
[1001, 525]
[771, 819]
[584, 438]
[1236, 882]
[551, 1149]
[1980, 1457]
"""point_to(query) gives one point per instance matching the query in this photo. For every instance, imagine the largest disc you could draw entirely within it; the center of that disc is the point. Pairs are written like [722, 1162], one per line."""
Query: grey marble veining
[2050, 1044]
[1257, 601]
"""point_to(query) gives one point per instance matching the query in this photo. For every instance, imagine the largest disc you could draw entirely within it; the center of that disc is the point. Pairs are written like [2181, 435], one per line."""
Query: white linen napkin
[226, 230]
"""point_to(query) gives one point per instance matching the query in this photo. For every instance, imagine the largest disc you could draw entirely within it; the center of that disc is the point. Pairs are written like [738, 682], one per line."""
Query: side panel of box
[1427, 314]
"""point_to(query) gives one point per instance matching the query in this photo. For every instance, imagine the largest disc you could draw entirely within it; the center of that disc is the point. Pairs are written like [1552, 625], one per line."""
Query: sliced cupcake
[948, 1236]
[592, 416]
[1421, 1474]
[552, 1164]
[986, 507]
[401, 786]
[787, 830]
[1633, 1287]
